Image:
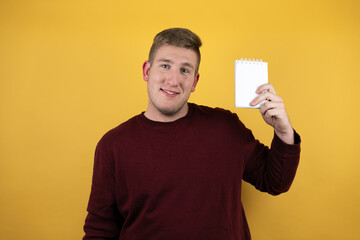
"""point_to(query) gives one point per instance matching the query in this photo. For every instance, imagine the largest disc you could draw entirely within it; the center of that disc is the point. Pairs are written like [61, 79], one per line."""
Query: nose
[172, 79]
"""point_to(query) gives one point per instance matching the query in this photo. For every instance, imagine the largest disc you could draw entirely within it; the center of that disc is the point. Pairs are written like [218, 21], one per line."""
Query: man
[174, 172]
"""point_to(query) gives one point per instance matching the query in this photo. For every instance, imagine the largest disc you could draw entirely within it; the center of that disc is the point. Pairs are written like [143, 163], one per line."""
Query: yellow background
[71, 70]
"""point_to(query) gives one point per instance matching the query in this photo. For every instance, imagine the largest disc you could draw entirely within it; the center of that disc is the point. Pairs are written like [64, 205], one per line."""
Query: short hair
[178, 37]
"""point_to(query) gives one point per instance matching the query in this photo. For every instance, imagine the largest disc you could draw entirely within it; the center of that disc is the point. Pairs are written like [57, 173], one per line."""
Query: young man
[174, 172]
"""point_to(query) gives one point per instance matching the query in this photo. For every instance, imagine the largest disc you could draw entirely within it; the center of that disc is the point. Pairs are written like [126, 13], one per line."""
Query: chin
[171, 110]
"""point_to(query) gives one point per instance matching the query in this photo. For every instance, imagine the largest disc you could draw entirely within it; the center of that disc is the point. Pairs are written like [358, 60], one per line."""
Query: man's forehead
[173, 53]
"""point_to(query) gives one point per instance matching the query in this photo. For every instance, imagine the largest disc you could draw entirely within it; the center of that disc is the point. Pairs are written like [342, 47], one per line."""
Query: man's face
[170, 80]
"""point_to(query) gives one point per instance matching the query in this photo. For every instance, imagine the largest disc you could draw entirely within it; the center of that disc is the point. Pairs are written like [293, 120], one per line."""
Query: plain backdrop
[71, 70]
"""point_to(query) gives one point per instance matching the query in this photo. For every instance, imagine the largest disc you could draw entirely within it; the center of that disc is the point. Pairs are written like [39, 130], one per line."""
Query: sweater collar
[147, 121]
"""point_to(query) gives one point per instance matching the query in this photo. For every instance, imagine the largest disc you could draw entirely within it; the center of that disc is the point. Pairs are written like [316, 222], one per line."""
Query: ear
[196, 79]
[146, 70]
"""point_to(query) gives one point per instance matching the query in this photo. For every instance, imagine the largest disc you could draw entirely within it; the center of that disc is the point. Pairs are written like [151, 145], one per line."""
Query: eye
[165, 66]
[184, 70]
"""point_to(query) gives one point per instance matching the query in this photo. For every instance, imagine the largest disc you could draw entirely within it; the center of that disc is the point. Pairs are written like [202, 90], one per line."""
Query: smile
[169, 92]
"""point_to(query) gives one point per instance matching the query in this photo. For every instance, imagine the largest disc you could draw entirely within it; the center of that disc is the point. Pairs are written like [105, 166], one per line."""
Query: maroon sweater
[182, 180]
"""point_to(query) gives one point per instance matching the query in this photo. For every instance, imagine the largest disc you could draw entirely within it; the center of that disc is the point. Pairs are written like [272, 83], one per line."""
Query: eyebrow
[169, 61]
[165, 60]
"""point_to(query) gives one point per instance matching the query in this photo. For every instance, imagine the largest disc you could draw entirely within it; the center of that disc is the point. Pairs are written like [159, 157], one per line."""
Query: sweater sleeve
[103, 220]
[271, 170]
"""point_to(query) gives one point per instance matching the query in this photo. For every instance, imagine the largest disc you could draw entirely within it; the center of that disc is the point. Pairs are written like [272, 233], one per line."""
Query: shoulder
[119, 134]
[217, 116]
[221, 124]
[206, 110]
[214, 113]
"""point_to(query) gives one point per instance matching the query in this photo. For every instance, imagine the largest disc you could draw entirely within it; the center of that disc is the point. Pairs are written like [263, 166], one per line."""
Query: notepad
[249, 75]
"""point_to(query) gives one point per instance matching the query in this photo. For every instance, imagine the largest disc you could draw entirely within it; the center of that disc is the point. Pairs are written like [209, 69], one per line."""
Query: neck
[157, 116]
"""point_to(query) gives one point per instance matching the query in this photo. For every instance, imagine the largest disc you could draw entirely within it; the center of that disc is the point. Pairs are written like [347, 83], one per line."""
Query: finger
[266, 87]
[271, 105]
[274, 112]
[265, 107]
[266, 96]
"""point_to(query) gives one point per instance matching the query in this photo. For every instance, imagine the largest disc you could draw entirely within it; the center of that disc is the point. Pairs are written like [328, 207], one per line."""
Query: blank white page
[249, 75]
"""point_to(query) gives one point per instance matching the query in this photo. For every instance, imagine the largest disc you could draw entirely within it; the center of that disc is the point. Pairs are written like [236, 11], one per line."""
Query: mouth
[168, 92]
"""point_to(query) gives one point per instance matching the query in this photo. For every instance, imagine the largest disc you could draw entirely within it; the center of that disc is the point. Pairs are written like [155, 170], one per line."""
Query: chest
[179, 162]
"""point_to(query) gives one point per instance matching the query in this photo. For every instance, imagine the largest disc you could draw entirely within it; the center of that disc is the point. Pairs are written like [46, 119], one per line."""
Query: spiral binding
[250, 61]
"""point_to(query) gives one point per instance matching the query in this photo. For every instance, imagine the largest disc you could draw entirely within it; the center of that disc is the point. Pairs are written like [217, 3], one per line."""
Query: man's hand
[274, 113]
